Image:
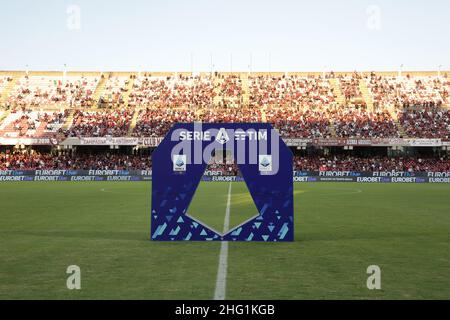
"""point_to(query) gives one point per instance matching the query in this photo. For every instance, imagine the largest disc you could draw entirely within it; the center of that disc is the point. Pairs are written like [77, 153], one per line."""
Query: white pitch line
[221, 283]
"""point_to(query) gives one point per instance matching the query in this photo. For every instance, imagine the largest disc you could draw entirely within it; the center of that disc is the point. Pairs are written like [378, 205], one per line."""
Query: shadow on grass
[363, 235]
[87, 235]
[145, 236]
[100, 235]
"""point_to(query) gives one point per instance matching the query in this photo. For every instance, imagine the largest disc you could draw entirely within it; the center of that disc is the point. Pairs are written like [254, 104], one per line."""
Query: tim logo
[179, 162]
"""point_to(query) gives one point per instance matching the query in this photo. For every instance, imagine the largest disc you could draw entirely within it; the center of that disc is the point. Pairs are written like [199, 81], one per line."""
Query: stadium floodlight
[211, 63]
[231, 62]
[400, 70]
[262, 157]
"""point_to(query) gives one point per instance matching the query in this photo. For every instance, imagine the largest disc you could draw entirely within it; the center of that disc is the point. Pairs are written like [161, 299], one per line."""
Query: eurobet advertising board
[263, 159]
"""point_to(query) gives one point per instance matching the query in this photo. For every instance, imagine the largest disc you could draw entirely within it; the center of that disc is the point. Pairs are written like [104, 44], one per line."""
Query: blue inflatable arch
[180, 161]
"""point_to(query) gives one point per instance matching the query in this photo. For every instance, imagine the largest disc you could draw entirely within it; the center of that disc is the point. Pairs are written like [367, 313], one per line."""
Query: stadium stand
[303, 123]
[34, 160]
[100, 123]
[155, 122]
[373, 163]
[351, 91]
[29, 123]
[318, 106]
[329, 106]
[174, 91]
[426, 120]
[4, 81]
[113, 93]
[229, 91]
[356, 123]
[45, 90]
[307, 92]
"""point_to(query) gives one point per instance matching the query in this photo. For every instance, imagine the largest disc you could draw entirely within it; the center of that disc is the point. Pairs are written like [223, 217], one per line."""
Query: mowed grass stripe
[242, 206]
[209, 205]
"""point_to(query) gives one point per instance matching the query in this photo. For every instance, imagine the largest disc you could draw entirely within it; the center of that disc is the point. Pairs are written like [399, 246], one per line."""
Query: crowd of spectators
[115, 88]
[299, 123]
[299, 106]
[156, 122]
[172, 92]
[350, 88]
[397, 91]
[54, 120]
[230, 115]
[4, 81]
[230, 91]
[360, 123]
[419, 90]
[112, 122]
[28, 123]
[373, 163]
[383, 90]
[289, 90]
[36, 91]
[425, 121]
[34, 160]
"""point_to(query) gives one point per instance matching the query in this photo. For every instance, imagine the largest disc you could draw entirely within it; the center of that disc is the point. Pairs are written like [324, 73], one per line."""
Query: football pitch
[340, 229]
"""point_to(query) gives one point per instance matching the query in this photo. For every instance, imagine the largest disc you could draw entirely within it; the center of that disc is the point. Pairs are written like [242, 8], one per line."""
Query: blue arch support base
[266, 166]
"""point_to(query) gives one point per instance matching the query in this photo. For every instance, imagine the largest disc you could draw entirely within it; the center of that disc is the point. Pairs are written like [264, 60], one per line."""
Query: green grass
[210, 202]
[341, 228]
